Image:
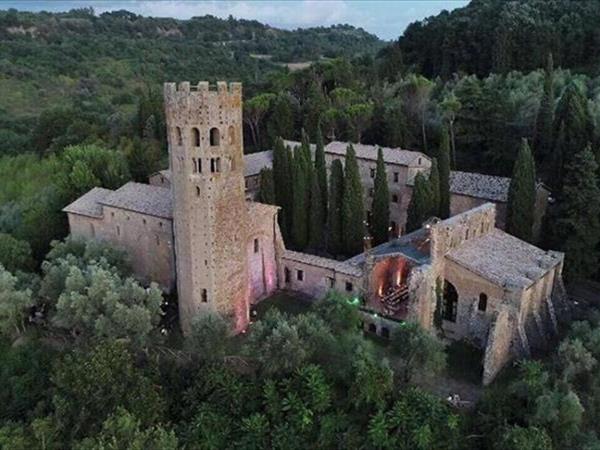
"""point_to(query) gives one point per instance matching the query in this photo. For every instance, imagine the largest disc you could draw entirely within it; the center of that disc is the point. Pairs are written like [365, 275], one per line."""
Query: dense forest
[92, 359]
[499, 36]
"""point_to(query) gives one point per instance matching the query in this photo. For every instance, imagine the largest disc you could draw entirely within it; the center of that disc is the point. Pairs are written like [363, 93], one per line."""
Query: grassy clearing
[285, 302]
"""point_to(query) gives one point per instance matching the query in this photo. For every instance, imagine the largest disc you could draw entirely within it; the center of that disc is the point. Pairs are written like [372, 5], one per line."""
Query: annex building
[196, 227]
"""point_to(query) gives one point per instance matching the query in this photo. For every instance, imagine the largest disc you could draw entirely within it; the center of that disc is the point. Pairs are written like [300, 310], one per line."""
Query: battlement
[203, 87]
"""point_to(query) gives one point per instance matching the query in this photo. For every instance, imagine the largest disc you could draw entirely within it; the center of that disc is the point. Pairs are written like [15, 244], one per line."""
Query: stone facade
[146, 236]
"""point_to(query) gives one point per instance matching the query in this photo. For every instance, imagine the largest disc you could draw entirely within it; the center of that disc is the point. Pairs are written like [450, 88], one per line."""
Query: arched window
[450, 301]
[215, 139]
[178, 136]
[482, 306]
[195, 165]
[231, 134]
[196, 137]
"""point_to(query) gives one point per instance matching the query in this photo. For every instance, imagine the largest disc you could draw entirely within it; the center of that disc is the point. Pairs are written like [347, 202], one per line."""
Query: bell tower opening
[215, 138]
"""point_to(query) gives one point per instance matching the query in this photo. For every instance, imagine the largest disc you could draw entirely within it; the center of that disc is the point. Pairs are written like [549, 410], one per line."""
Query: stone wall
[148, 241]
[499, 348]
[204, 129]
[471, 323]
[461, 203]
[315, 276]
[262, 247]
[451, 233]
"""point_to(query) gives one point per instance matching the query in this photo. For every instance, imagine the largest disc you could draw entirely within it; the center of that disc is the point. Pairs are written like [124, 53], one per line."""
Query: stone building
[195, 230]
[195, 227]
[467, 189]
[462, 276]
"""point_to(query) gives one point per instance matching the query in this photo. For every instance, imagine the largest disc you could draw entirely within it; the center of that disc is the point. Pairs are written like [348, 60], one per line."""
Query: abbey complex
[197, 229]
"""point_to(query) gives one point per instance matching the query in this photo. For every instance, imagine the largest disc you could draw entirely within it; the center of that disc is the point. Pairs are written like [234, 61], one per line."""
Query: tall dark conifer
[321, 169]
[380, 217]
[542, 139]
[444, 175]
[353, 212]
[420, 204]
[434, 187]
[521, 195]
[335, 242]
[300, 201]
[573, 121]
[282, 180]
[316, 229]
[266, 193]
[577, 226]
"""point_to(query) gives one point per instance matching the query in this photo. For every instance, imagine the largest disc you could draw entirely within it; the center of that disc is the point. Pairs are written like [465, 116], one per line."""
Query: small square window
[349, 286]
[300, 275]
[396, 177]
[372, 173]
[395, 198]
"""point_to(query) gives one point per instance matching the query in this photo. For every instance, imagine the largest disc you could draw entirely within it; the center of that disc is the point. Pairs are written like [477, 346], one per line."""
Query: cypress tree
[434, 187]
[542, 140]
[578, 222]
[282, 180]
[321, 169]
[521, 195]
[420, 204]
[266, 194]
[280, 173]
[353, 213]
[380, 221]
[300, 204]
[444, 175]
[316, 228]
[335, 243]
[574, 121]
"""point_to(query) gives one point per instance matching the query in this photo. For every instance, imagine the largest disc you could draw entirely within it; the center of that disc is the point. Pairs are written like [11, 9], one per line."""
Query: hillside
[102, 64]
[497, 36]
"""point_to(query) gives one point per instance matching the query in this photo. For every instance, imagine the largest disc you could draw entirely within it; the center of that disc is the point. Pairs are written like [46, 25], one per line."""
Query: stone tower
[209, 208]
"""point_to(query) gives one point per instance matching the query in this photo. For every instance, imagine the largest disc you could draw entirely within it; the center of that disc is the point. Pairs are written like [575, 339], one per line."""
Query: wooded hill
[496, 36]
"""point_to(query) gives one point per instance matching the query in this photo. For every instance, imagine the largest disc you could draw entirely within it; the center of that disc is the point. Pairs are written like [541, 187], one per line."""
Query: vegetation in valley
[88, 357]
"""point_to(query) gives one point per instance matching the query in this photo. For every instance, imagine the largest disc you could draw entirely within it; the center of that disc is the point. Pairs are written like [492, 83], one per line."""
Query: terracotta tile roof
[504, 259]
[142, 198]
[89, 204]
[326, 263]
